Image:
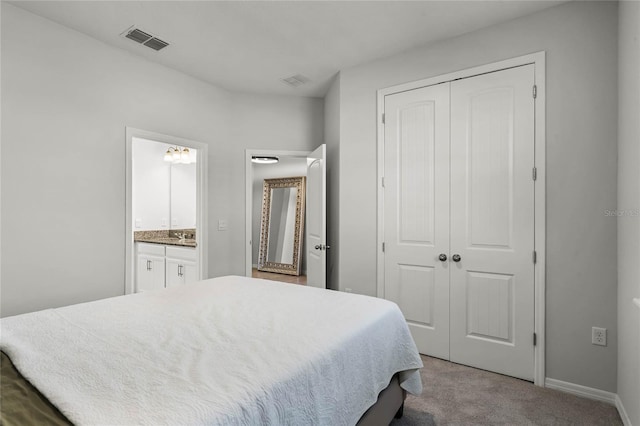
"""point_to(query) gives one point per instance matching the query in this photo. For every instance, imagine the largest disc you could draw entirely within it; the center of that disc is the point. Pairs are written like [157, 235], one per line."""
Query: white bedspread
[225, 351]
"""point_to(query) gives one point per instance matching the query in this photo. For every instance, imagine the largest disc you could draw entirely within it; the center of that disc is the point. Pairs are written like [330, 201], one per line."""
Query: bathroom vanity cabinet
[159, 266]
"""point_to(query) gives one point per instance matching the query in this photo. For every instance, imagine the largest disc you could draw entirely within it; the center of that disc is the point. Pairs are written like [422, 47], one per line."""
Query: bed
[224, 351]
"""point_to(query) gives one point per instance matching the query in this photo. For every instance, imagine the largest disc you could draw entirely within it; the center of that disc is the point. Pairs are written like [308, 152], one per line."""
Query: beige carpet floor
[459, 395]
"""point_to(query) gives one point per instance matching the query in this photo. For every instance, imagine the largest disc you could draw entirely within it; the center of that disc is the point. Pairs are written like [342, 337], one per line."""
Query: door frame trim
[538, 60]
[248, 192]
[202, 234]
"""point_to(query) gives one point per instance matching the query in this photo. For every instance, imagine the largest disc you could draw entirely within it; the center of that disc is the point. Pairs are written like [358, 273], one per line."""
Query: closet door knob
[442, 257]
[456, 258]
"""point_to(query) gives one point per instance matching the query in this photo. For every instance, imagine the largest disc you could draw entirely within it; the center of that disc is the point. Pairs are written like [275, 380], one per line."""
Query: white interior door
[416, 213]
[492, 221]
[316, 226]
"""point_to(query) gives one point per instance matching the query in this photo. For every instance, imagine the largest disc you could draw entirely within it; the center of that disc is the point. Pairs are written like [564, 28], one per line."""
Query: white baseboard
[579, 390]
[623, 413]
[591, 393]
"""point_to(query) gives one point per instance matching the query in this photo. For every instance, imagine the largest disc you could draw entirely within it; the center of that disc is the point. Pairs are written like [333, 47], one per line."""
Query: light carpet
[455, 394]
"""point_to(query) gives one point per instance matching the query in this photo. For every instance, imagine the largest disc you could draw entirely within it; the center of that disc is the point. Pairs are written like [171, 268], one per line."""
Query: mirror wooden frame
[282, 268]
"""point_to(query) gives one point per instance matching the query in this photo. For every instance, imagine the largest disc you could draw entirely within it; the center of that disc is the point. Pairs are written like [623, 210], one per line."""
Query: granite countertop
[172, 241]
[166, 237]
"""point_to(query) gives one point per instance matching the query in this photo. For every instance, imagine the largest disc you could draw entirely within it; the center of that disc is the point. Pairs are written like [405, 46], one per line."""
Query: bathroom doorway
[165, 196]
[284, 164]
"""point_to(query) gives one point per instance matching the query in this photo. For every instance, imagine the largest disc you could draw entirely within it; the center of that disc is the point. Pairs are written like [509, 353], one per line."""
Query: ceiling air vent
[156, 43]
[144, 38]
[137, 35]
[295, 80]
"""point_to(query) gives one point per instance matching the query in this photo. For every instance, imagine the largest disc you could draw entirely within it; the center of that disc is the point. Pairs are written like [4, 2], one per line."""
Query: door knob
[442, 257]
[456, 258]
[327, 247]
[318, 247]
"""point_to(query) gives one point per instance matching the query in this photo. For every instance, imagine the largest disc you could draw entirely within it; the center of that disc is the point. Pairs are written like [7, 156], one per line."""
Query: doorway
[175, 197]
[289, 164]
[457, 224]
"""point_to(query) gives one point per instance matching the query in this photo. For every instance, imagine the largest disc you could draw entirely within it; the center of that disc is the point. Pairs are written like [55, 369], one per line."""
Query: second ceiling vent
[295, 80]
[142, 37]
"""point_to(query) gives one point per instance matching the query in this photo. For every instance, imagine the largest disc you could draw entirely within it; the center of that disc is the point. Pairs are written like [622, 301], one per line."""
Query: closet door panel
[416, 212]
[492, 222]
[489, 168]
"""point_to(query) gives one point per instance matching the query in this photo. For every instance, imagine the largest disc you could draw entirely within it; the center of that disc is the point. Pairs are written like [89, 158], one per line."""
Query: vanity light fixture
[177, 155]
[261, 159]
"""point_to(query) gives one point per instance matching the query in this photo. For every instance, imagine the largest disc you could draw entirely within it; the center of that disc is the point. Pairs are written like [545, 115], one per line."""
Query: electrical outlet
[599, 336]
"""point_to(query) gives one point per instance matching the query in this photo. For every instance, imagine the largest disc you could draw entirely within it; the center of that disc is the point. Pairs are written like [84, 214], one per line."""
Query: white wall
[628, 205]
[580, 39]
[66, 100]
[332, 139]
[287, 167]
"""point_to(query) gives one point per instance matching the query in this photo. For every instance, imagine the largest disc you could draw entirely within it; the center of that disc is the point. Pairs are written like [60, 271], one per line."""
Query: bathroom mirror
[182, 209]
[282, 223]
[163, 189]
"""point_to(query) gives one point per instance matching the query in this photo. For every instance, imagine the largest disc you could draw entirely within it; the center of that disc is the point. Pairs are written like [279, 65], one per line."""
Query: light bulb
[264, 159]
[184, 156]
[168, 156]
[176, 154]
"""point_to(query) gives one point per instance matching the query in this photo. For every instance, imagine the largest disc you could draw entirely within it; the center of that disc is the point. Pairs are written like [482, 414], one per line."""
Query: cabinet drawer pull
[148, 265]
[180, 270]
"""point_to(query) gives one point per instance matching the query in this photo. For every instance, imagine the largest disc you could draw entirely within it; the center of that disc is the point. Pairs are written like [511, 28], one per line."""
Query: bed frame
[390, 405]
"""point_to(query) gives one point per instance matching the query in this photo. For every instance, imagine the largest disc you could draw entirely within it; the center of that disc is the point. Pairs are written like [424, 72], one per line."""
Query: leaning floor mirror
[281, 229]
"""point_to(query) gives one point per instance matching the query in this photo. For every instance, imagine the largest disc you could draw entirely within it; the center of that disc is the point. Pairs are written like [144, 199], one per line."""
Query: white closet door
[416, 212]
[492, 221]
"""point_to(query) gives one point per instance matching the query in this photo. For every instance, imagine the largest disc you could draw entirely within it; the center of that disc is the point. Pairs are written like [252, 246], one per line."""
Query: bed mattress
[230, 350]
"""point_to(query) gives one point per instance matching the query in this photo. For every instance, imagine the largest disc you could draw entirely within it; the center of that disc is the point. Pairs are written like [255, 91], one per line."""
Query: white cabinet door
[416, 213]
[150, 272]
[182, 266]
[180, 272]
[190, 272]
[492, 222]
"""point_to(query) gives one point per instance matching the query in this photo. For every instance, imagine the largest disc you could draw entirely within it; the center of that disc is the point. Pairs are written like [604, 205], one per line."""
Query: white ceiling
[249, 46]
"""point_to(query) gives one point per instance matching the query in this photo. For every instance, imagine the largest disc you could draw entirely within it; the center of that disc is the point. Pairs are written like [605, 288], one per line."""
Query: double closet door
[459, 218]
